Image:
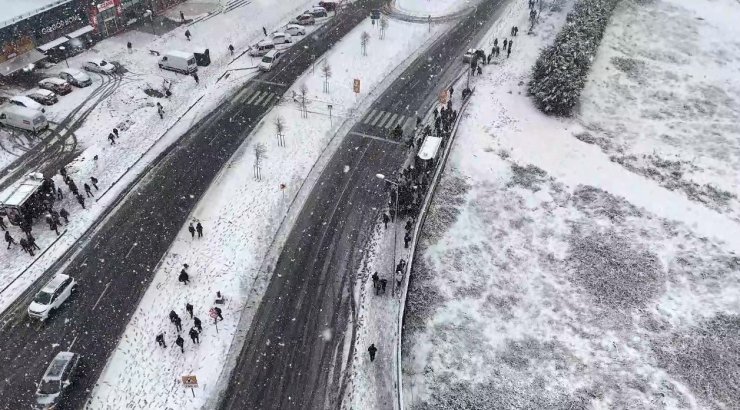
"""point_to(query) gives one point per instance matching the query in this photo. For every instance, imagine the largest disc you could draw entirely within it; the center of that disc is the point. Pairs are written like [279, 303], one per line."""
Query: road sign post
[190, 382]
[330, 107]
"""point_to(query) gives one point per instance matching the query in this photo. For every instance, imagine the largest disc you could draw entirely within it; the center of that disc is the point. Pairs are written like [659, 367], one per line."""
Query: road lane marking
[72, 344]
[375, 137]
[390, 123]
[400, 120]
[256, 93]
[269, 82]
[129, 251]
[367, 118]
[267, 100]
[380, 114]
[257, 101]
[385, 118]
[101, 296]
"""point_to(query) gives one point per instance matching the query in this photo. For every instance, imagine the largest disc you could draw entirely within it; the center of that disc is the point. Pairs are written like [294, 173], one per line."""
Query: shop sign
[61, 24]
[107, 4]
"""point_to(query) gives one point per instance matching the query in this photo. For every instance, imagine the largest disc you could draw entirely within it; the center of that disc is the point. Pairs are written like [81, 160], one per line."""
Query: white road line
[72, 344]
[380, 114]
[268, 82]
[256, 93]
[391, 122]
[375, 138]
[385, 118]
[267, 100]
[242, 94]
[101, 296]
[257, 101]
[367, 118]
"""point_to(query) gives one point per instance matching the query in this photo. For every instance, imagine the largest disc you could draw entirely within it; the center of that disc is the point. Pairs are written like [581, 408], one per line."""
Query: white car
[75, 77]
[51, 296]
[23, 101]
[295, 30]
[270, 59]
[279, 37]
[43, 96]
[99, 66]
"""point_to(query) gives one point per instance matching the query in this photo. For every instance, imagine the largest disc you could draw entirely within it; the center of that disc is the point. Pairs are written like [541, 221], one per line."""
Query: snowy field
[552, 275]
[143, 134]
[241, 217]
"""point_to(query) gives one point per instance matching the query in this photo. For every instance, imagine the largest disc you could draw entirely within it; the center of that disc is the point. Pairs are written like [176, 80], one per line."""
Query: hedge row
[560, 72]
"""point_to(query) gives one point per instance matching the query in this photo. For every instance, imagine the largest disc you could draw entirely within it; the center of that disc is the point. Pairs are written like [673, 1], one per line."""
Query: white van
[261, 48]
[178, 61]
[23, 118]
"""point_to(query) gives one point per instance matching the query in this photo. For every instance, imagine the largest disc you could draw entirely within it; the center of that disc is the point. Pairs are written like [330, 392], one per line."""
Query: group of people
[73, 186]
[194, 331]
[113, 136]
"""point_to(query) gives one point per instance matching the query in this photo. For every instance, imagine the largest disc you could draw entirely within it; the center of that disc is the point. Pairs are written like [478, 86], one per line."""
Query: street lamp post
[395, 223]
[65, 55]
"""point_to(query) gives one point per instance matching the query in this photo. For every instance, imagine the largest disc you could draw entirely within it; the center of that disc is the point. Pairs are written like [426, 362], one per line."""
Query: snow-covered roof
[79, 32]
[180, 54]
[17, 195]
[16, 10]
[429, 147]
[48, 46]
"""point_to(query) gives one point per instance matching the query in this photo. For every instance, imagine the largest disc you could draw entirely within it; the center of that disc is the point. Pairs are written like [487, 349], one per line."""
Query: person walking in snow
[54, 227]
[264, 30]
[194, 336]
[24, 245]
[191, 229]
[2, 223]
[189, 309]
[218, 313]
[372, 350]
[88, 191]
[64, 214]
[182, 16]
[386, 219]
[184, 277]
[129, 46]
[115, 131]
[195, 77]
[160, 111]
[383, 284]
[399, 279]
[95, 183]
[199, 228]
[180, 342]
[32, 242]
[160, 340]
[55, 217]
[506, 42]
[231, 49]
[9, 239]
[173, 316]
[178, 324]
[375, 282]
[60, 195]
[81, 200]
[187, 34]
[508, 52]
[197, 324]
[480, 71]
[112, 139]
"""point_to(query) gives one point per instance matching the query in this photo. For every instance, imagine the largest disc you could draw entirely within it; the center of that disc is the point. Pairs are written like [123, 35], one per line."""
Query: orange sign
[356, 86]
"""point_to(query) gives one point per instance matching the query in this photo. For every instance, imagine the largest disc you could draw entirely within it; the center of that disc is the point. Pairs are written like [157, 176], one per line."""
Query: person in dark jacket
[24, 246]
[173, 316]
[112, 139]
[160, 340]
[199, 228]
[184, 277]
[386, 219]
[180, 342]
[191, 229]
[54, 227]
[194, 335]
[9, 239]
[94, 182]
[178, 324]
[372, 350]
[64, 214]
[218, 313]
[60, 194]
[376, 278]
[231, 49]
[197, 324]
[32, 242]
[189, 309]
[2, 223]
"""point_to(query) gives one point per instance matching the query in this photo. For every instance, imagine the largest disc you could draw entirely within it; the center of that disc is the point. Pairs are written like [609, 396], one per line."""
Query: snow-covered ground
[143, 133]
[550, 274]
[432, 8]
[241, 216]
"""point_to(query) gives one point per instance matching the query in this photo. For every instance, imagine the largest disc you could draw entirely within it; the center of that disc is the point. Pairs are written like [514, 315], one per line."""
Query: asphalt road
[116, 263]
[293, 354]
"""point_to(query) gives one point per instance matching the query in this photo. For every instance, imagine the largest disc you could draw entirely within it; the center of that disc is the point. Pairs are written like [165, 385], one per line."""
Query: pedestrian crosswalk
[384, 119]
[263, 98]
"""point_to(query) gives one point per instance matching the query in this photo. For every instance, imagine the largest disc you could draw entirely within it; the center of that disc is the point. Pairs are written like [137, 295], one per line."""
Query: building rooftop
[16, 10]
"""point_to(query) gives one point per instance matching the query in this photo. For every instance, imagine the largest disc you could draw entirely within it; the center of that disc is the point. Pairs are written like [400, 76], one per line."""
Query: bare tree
[364, 39]
[279, 128]
[383, 27]
[303, 92]
[326, 71]
[260, 153]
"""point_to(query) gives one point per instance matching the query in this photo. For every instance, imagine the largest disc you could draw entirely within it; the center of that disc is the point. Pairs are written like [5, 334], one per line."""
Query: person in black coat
[372, 350]
[178, 324]
[197, 324]
[64, 214]
[199, 228]
[184, 277]
[194, 336]
[160, 340]
[9, 239]
[180, 342]
[191, 229]
[189, 309]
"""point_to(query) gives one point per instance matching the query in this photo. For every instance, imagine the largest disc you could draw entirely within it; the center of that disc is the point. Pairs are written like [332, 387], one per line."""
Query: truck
[178, 61]
[29, 198]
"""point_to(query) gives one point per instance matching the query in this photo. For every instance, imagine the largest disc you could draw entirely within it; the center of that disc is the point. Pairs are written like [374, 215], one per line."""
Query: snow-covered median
[241, 215]
[551, 274]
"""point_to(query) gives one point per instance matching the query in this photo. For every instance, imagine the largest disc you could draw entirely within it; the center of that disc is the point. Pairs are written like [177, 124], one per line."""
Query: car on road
[279, 37]
[317, 11]
[304, 20]
[75, 77]
[57, 379]
[51, 296]
[270, 59]
[55, 84]
[99, 66]
[43, 96]
[23, 101]
[328, 5]
[261, 48]
[295, 29]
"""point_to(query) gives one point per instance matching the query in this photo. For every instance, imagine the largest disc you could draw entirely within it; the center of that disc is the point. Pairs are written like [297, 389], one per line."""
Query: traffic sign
[190, 381]
[356, 86]
[212, 313]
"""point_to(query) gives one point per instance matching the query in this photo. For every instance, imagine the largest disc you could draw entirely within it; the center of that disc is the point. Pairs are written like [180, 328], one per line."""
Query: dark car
[43, 96]
[55, 84]
[328, 5]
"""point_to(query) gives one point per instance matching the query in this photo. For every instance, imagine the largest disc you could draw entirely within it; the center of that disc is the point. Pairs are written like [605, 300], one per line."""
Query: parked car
[295, 29]
[55, 84]
[75, 77]
[99, 66]
[469, 55]
[317, 11]
[23, 101]
[58, 377]
[261, 48]
[304, 20]
[43, 96]
[279, 37]
[23, 118]
[328, 5]
[51, 296]
[270, 59]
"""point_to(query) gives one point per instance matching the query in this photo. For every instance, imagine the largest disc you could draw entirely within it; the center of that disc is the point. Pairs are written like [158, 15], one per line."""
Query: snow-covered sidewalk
[557, 269]
[134, 114]
[241, 216]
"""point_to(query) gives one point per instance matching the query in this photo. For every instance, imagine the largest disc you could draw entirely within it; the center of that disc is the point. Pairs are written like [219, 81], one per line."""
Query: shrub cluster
[560, 72]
